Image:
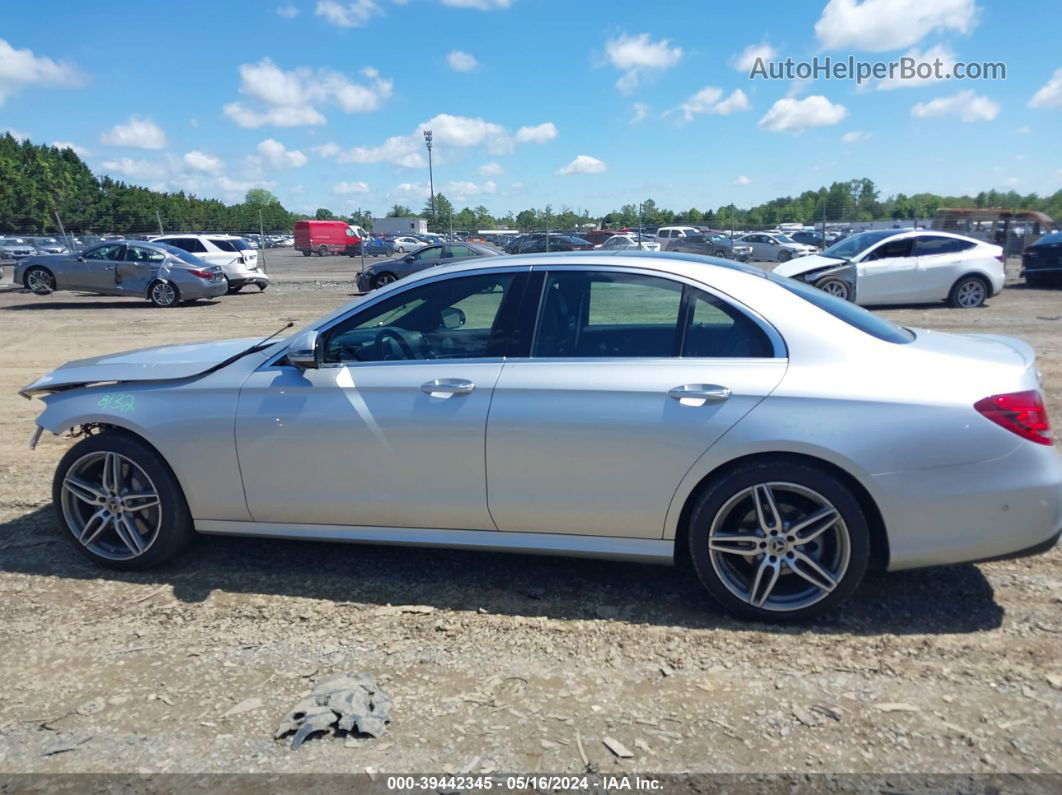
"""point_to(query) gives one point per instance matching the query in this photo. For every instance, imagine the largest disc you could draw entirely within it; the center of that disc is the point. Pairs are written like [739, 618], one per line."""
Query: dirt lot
[502, 663]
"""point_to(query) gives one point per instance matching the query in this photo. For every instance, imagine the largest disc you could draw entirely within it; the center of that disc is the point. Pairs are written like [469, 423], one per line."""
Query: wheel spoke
[816, 524]
[760, 590]
[766, 509]
[735, 545]
[811, 571]
[95, 525]
[83, 490]
[129, 534]
[111, 476]
[141, 501]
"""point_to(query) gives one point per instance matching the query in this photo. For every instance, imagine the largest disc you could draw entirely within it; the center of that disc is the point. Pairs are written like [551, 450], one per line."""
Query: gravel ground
[494, 662]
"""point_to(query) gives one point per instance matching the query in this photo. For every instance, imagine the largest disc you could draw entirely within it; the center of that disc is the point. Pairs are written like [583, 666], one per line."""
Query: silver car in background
[14, 248]
[162, 274]
[49, 245]
[647, 407]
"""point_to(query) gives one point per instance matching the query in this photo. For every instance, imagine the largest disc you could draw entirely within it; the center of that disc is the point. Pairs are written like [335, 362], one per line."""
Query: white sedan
[404, 244]
[629, 243]
[912, 266]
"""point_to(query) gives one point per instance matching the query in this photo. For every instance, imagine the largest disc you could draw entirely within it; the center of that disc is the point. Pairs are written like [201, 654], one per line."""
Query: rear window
[851, 314]
[224, 245]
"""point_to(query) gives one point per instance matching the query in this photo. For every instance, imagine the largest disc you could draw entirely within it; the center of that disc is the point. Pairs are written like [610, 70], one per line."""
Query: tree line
[40, 184]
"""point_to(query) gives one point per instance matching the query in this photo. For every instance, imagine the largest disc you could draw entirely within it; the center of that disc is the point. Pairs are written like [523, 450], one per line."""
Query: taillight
[202, 274]
[1025, 252]
[1022, 413]
[1002, 258]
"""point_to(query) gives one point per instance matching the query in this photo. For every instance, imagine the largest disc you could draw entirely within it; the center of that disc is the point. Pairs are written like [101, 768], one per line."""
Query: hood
[795, 267]
[161, 363]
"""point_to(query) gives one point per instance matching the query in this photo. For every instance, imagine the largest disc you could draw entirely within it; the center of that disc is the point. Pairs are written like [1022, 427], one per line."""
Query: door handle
[444, 387]
[699, 394]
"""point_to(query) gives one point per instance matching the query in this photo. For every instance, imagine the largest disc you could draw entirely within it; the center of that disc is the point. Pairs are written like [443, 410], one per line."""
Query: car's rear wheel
[39, 280]
[785, 255]
[383, 278]
[779, 541]
[969, 292]
[261, 286]
[164, 294]
[230, 288]
[120, 503]
[835, 287]
[323, 251]
[307, 253]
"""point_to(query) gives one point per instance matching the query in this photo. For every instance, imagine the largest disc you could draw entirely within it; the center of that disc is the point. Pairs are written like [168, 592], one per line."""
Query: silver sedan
[162, 274]
[649, 407]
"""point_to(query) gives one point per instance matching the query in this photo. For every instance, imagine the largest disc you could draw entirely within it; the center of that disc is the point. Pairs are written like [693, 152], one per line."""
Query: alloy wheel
[111, 506]
[970, 294]
[835, 287]
[779, 546]
[164, 294]
[39, 281]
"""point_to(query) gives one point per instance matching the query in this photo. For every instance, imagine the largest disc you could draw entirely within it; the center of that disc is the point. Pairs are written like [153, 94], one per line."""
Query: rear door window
[224, 245]
[931, 245]
[890, 249]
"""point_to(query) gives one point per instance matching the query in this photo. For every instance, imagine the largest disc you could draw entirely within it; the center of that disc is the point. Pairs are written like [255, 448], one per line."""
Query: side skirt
[642, 550]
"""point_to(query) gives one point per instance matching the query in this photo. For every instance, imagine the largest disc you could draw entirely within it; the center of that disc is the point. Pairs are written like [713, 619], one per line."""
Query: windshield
[854, 245]
[853, 315]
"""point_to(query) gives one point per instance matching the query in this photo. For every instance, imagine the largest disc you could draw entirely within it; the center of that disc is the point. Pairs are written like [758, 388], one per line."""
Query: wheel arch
[45, 268]
[984, 277]
[879, 540]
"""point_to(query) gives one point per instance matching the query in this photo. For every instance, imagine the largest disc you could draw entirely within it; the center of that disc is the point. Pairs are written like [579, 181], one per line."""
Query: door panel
[366, 445]
[98, 271]
[598, 447]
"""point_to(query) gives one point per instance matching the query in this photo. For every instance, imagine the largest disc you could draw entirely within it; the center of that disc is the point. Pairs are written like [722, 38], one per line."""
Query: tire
[163, 294]
[835, 287]
[323, 251]
[229, 288]
[261, 286]
[743, 576]
[307, 253]
[112, 531]
[784, 255]
[969, 292]
[400, 250]
[381, 279]
[39, 280]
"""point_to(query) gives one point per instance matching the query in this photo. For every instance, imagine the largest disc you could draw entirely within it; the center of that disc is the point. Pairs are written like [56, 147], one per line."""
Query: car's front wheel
[120, 503]
[784, 255]
[969, 292]
[382, 279]
[779, 541]
[39, 280]
[835, 287]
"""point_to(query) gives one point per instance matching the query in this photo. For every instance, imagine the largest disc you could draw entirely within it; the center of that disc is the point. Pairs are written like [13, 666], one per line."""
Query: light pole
[431, 179]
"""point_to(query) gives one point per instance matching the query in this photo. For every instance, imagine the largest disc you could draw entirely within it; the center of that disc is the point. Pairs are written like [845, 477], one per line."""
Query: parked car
[598, 236]
[666, 234]
[1041, 263]
[48, 245]
[906, 267]
[596, 405]
[326, 237]
[406, 243]
[380, 274]
[373, 246]
[813, 239]
[775, 246]
[161, 273]
[238, 258]
[724, 246]
[538, 244]
[628, 242]
[15, 248]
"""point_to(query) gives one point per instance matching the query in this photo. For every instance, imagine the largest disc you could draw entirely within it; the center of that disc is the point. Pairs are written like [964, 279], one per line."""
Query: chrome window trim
[781, 351]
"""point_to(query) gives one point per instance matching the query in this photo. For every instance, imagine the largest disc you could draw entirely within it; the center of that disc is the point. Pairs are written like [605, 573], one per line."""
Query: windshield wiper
[264, 343]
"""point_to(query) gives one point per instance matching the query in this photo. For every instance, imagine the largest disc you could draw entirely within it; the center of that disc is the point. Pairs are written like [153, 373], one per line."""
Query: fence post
[261, 244]
[69, 243]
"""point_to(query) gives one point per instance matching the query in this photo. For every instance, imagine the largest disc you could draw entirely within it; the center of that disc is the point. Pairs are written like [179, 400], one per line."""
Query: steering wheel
[386, 333]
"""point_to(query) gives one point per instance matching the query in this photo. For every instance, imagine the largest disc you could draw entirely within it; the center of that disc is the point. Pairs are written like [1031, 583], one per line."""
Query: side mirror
[303, 350]
[410, 258]
[80, 258]
[452, 318]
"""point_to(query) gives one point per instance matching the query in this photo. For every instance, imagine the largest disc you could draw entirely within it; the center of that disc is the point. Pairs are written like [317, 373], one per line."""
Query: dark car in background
[374, 247]
[1041, 263]
[808, 238]
[538, 244]
[380, 273]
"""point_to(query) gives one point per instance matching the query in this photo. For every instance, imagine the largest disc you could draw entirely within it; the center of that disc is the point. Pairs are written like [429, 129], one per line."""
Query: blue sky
[586, 104]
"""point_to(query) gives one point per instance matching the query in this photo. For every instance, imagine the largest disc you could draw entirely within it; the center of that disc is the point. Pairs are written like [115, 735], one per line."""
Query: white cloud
[583, 164]
[796, 115]
[490, 170]
[136, 169]
[880, 25]
[479, 5]
[18, 135]
[351, 187]
[412, 190]
[855, 137]
[742, 180]
[21, 68]
[287, 11]
[710, 100]
[275, 154]
[137, 133]
[929, 55]
[1049, 94]
[967, 105]
[329, 149]
[641, 110]
[1023, 130]
[461, 61]
[238, 187]
[538, 134]
[80, 151]
[636, 56]
[460, 191]
[348, 15]
[200, 161]
[448, 131]
[746, 59]
[290, 98]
